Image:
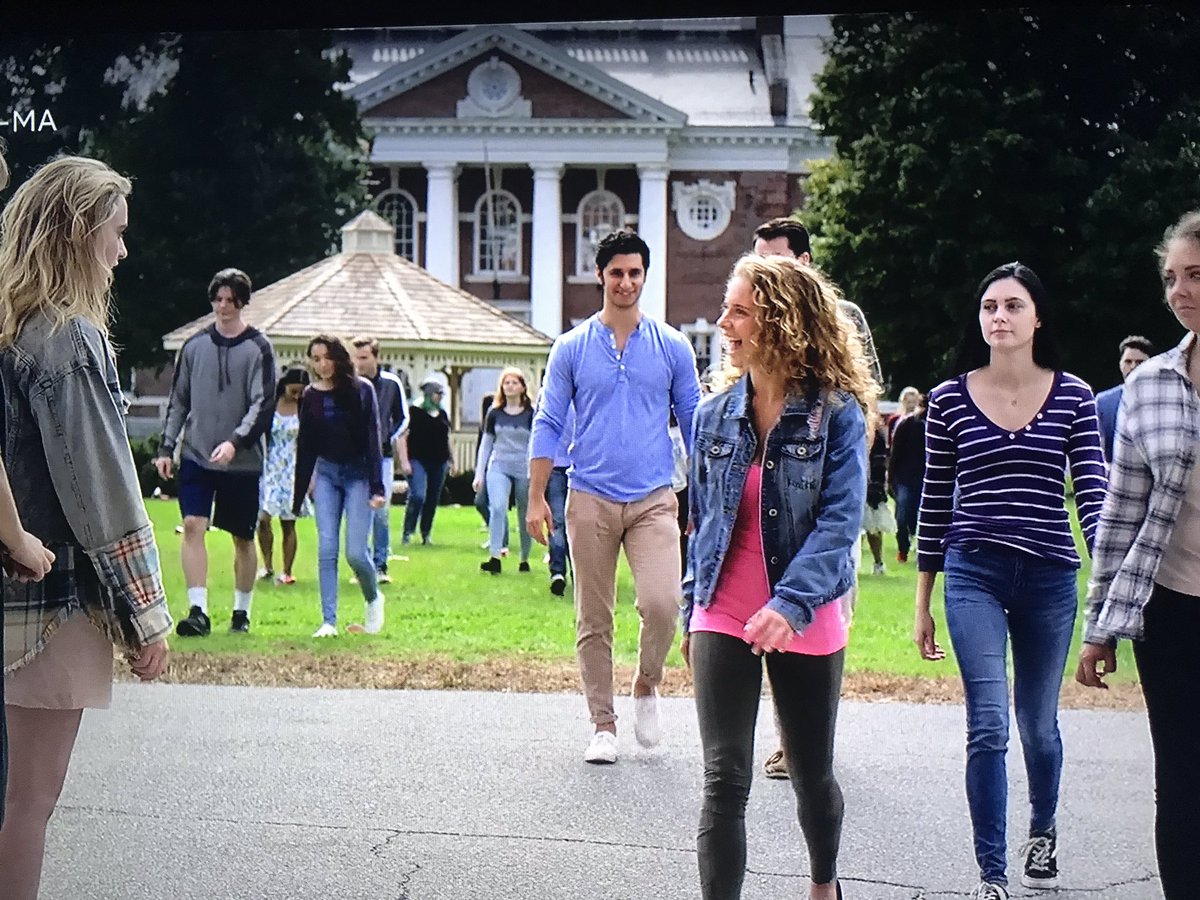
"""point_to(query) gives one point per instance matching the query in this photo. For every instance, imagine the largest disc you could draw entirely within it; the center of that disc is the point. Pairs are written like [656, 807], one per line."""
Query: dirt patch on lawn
[525, 675]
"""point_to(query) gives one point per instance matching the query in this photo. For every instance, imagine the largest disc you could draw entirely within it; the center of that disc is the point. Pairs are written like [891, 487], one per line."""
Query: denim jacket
[814, 488]
[76, 488]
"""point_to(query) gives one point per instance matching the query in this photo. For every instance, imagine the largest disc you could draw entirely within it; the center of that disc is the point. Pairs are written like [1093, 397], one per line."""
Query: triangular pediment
[561, 85]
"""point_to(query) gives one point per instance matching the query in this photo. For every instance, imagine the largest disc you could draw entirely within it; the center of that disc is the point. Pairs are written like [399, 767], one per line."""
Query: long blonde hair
[499, 400]
[803, 335]
[48, 260]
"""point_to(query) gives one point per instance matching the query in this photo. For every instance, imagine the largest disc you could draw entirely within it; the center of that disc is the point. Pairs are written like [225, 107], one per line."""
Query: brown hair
[499, 400]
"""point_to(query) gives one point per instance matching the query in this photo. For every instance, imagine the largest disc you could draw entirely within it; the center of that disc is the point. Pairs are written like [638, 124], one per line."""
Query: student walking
[221, 405]
[503, 464]
[1145, 584]
[338, 461]
[279, 478]
[877, 516]
[61, 236]
[778, 484]
[625, 373]
[428, 457]
[993, 516]
[557, 486]
[906, 471]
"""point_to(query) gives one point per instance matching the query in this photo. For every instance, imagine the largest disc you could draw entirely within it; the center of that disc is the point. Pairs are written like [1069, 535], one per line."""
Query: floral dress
[279, 472]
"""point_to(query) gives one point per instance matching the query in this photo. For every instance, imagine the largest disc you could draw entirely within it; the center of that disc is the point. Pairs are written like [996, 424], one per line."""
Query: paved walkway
[204, 793]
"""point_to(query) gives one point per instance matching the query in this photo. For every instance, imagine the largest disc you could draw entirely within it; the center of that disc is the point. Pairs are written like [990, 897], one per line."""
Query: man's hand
[377, 501]
[165, 466]
[477, 484]
[150, 661]
[538, 521]
[406, 467]
[224, 453]
[1095, 661]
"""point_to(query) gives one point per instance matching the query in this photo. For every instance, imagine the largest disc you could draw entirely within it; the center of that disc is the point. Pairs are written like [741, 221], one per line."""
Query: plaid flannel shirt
[1157, 444]
[76, 487]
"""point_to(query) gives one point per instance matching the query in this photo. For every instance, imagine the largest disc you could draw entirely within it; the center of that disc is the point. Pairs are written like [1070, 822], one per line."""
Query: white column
[652, 226]
[545, 296]
[441, 222]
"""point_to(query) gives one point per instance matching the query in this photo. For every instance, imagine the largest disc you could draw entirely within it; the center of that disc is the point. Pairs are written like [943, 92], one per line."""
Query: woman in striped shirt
[999, 440]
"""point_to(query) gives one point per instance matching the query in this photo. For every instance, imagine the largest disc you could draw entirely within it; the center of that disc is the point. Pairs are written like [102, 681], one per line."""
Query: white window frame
[705, 338]
[480, 221]
[689, 198]
[377, 203]
[585, 246]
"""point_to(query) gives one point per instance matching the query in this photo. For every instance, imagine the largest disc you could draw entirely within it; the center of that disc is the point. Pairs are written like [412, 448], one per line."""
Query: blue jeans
[381, 526]
[908, 502]
[500, 488]
[342, 489]
[424, 491]
[992, 593]
[483, 508]
[556, 496]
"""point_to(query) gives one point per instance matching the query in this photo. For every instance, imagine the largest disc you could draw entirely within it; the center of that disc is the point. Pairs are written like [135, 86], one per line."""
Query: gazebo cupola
[368, 232]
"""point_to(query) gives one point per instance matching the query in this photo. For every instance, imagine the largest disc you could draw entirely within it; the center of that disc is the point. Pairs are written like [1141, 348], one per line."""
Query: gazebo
[423, 325]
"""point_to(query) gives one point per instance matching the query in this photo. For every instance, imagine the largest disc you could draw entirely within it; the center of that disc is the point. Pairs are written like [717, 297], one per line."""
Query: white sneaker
[646, 727]
[879, 569]
[602, 748]
[326, 630]
[988, 890]
[374, 619]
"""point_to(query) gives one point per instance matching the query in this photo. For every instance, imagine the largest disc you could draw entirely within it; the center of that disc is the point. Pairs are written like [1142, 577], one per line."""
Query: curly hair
[803, 334]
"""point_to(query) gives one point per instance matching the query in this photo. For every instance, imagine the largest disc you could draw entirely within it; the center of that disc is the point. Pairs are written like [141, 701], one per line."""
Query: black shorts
[228, 499]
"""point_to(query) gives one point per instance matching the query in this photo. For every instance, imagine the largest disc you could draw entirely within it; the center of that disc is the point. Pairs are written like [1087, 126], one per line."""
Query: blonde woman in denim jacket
[778, 483]
[75, 486]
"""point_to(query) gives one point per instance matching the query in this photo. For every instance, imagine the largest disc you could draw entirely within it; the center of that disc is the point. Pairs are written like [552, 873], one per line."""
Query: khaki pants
[596, 530]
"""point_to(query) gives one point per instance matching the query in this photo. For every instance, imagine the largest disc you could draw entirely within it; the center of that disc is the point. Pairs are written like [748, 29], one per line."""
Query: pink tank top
[743, 588]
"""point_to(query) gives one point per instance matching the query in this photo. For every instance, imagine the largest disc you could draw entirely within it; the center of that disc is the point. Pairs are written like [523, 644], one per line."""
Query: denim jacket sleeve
[821, 567]
[687, 598]
[91, 466]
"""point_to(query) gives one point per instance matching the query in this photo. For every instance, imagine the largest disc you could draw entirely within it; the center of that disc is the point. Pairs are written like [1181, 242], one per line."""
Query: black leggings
[1167, 667]
[728, 681]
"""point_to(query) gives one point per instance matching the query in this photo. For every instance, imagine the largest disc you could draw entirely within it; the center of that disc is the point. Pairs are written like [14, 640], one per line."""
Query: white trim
[580, 250]
[703, 210]
[416, 232]
[488, 278]
[477, 237]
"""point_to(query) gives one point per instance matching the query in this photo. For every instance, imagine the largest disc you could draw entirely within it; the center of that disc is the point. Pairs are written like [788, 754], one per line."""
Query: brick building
[504, 153]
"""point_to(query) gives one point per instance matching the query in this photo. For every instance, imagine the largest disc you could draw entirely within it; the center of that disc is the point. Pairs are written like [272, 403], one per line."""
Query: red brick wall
[552, 99]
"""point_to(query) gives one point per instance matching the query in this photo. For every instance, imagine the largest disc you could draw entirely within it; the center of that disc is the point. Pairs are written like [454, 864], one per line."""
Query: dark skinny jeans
[1166, 664]
[728, 681]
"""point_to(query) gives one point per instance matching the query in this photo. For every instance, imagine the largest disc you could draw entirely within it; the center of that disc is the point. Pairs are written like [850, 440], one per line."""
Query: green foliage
[241, 150]
[144, 452]
[966, 141]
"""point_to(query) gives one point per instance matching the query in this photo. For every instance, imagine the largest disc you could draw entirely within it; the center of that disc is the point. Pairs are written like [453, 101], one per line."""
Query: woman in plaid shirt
[74, 482]
[1145, 583]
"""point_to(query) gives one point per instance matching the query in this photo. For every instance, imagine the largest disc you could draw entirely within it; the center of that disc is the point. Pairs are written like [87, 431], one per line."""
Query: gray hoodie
[224, 390]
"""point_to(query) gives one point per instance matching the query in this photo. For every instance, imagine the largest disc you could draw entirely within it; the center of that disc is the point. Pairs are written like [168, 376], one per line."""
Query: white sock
[241, 601]
[198, 596]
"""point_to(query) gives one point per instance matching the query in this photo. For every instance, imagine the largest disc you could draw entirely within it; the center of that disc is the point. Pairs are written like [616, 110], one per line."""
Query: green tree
[248, 156]
[1060, 138]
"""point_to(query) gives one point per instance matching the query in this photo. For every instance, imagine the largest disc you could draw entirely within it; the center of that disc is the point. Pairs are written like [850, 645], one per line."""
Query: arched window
[399, 208]
[498, 234]
[600, 213]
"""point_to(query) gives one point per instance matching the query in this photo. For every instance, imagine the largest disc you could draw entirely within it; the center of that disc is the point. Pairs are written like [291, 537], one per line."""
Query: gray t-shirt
[505, 443]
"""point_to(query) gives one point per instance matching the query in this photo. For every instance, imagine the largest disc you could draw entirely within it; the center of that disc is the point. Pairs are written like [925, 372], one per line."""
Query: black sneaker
[240, 622]
[195, 625]
[492, 565]
[523, 567]
[558, 584]
[1040, 854]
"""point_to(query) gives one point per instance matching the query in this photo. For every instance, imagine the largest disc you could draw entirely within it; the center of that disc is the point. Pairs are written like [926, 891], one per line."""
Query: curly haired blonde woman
[76, 487]
[778, 483]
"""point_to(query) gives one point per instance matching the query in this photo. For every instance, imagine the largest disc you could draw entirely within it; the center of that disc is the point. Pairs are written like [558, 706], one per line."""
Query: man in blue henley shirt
[625, 373]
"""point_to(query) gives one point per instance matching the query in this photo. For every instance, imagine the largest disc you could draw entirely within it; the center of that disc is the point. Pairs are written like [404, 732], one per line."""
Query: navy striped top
[985, 483]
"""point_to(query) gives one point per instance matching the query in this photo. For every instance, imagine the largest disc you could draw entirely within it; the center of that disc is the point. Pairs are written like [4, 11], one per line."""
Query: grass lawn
[441, 605]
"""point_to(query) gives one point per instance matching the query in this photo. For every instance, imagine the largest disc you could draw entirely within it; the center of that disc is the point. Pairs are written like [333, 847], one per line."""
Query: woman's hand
[406, 467]
[28, 558]
[685, 650]
[923, 635]
[150, 661]
[377, 501]
[767, 631]
[1095, 661]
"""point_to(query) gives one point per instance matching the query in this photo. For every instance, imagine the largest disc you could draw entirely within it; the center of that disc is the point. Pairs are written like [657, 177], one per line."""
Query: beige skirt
[73, 671]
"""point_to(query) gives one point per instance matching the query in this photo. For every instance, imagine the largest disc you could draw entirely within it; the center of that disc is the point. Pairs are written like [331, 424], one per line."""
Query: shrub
[144, 452]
